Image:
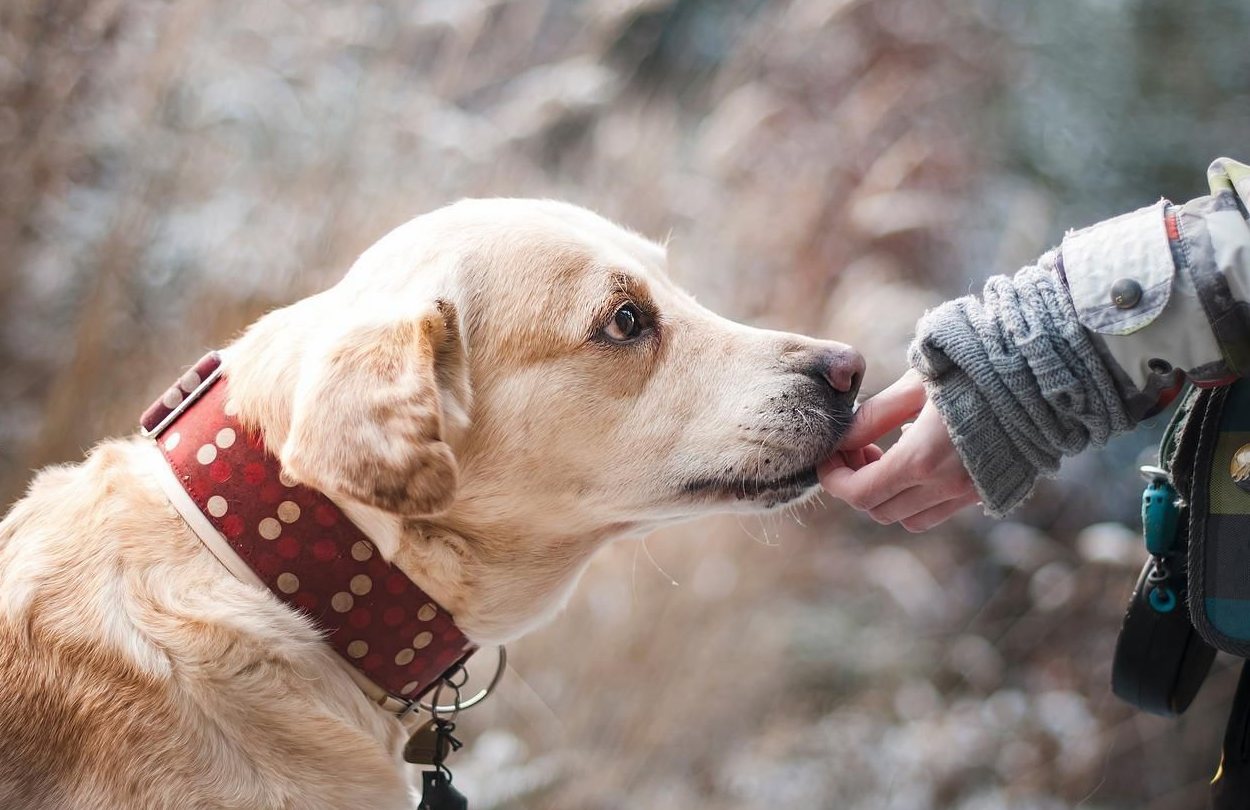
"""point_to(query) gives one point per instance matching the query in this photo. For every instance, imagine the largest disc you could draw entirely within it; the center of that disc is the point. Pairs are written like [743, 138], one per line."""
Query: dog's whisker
[633, 575]
[665, 574]
[768, 541]
[748, 532]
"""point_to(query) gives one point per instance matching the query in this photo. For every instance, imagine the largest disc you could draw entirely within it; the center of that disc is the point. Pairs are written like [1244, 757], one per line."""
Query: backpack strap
[1231, 785]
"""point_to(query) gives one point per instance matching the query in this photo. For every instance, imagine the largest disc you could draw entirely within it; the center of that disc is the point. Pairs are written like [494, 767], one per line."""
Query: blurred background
[169, 171]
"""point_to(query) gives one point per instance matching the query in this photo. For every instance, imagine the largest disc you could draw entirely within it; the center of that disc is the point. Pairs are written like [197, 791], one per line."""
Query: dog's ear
[368, 419]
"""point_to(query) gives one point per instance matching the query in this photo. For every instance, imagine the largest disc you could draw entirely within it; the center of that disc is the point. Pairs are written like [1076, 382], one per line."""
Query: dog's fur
[458, 396]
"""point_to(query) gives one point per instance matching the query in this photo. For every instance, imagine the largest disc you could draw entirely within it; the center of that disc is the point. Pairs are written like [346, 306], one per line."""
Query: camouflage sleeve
[1166, 290]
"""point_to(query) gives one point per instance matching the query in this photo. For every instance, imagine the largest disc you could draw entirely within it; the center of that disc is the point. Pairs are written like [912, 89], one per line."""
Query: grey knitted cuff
[1018, 382]
[1004, 478]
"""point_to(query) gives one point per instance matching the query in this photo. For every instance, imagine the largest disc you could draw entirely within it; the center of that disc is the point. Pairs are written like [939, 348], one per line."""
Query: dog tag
[437, 793]
[427, 746]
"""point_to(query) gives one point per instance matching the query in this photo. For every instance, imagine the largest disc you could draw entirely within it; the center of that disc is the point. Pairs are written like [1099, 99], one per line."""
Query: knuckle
[927, 457]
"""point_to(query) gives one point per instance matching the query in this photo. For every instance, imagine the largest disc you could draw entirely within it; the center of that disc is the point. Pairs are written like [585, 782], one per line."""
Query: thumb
[886, 411]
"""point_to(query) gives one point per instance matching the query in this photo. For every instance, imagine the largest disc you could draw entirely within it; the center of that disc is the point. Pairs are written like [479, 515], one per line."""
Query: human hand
[920, 482]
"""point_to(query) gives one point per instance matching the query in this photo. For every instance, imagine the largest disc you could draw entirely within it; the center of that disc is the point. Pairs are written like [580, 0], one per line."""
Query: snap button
[1125, 293]
[1159, 366]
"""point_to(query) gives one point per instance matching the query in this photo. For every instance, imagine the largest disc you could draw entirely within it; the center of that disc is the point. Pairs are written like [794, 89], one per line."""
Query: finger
[868, 488]
[886, 411]
[855, 459]
[835, 462]
[939, 514]
[912, 501]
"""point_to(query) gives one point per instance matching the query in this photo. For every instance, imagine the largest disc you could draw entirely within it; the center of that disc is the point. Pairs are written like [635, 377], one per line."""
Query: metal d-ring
[436, 709]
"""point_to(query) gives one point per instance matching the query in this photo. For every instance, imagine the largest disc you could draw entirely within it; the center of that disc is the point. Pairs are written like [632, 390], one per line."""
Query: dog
[494, 391]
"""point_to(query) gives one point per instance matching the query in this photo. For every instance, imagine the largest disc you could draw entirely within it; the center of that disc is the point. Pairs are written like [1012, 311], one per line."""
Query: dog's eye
[626, 324]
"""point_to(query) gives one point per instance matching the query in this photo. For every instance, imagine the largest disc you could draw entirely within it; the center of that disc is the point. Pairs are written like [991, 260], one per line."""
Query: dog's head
[523, 377]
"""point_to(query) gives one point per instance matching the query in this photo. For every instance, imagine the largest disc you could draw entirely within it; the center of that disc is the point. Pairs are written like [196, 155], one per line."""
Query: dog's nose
[844, 369]
[839, 365]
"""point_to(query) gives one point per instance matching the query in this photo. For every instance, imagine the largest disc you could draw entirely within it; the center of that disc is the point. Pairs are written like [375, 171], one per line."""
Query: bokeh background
[169, 171]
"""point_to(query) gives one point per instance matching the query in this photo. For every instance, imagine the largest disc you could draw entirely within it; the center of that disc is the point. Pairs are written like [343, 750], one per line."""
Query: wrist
[1003, 477]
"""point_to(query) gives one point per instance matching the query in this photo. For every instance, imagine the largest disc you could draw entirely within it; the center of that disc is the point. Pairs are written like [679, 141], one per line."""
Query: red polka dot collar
[293, 540]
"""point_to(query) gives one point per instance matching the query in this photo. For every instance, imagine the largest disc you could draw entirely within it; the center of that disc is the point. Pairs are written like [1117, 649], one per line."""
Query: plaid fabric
[1219, 553]
[1230, 176]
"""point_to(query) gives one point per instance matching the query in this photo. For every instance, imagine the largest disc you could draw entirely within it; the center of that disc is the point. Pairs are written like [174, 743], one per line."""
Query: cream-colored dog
[495, 390]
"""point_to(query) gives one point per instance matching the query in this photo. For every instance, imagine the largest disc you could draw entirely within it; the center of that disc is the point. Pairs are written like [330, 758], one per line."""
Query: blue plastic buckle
[1160, 516]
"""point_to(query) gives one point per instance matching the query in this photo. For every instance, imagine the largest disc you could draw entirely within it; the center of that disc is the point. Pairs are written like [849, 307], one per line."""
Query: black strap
[1230, 790]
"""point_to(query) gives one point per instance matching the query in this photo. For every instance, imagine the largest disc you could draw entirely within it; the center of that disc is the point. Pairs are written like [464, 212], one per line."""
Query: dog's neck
[495, 596]
[499, 582]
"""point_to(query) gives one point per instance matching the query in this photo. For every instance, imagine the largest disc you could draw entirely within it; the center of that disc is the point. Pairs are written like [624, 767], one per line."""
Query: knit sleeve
[1018, 381]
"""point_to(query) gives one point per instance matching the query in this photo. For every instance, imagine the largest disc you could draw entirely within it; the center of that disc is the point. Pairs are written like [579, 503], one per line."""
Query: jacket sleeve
[1098, 335]
[1165, 289]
